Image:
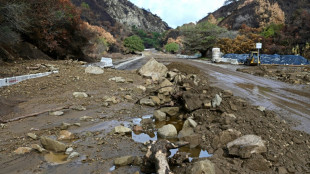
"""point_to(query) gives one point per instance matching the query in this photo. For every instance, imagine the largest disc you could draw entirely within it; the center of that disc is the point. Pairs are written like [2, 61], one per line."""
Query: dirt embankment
[288, 74]
[220, 119]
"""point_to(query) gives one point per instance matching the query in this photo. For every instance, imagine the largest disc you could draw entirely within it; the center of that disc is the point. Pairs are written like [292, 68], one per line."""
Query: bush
[134, 43]
[172, 47]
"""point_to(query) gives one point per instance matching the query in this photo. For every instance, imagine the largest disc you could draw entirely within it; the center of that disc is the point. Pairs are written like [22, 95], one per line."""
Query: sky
[179, 12]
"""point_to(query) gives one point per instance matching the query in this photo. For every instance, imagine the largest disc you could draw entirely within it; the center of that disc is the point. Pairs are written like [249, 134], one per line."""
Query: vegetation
[134, 43]
[172, 47]
[150, 39]
[271, 30]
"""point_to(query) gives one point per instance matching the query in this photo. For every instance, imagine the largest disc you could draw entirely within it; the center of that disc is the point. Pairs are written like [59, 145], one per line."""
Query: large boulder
[94, 70]
[246, 145]
[167, 131]
[202, 167]
[53, 145]
[153, 69]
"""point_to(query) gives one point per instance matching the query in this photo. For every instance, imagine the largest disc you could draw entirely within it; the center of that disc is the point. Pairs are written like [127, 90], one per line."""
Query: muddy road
[291, 102]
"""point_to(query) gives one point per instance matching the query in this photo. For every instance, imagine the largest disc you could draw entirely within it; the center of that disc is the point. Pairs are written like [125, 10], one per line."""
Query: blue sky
[179, 12]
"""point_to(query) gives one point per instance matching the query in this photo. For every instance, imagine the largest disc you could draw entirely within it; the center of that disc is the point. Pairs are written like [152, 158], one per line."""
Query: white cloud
[179, 12]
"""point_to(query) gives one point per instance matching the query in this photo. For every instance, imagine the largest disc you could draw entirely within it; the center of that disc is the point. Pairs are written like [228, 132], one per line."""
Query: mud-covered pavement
[114, 102]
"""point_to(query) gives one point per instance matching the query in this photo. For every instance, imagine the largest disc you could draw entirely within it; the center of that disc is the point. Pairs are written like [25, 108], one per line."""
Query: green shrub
[172, 47]
[272, 30]
[84, 5]
[134, 43]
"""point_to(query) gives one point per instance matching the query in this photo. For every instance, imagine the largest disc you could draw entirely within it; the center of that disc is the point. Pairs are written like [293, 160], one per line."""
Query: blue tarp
[272, 59]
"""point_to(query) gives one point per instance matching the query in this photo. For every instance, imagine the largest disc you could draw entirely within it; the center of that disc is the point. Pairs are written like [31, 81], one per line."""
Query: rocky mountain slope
[258, 13]
[111, 12]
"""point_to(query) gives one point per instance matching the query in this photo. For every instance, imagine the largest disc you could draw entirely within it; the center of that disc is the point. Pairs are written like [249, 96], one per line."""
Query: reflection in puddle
[112, 168]
[143, 137]
[56, 158]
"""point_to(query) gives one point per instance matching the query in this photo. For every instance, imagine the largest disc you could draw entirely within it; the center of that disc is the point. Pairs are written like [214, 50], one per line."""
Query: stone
[146, 121]
[94, 70]
[153, 68]
[2, 126]
[282, 170]
[73, 155]
[111, 100]
[137, 128]
[53, 145]
[261, 108]
[129, 80]
[205, 166]
[168, 131]
[65, 135]
[171, 75]
[22, 150]
[38, 148]
[78, 108]
[86, 118]
[191, 101]
[64, 126]
[141, 88]
[155, 99]
[216, 101]
[172, 111]
[192, 123]
[227, 93]
[246, 145]
[225, 137]
[80, 95]
[186, 132]
[148, 82]
[160, 116]
[166, 87]
[123, 161]
[147, 102]
[69, 151]
[32, 135]
[121, 130]
[207, 104]
[164, 99]
[56, 113]
[77, 124]
[118, 79]
[128, 97]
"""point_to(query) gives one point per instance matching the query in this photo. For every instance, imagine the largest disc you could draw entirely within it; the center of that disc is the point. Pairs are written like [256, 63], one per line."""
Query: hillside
[111, 12]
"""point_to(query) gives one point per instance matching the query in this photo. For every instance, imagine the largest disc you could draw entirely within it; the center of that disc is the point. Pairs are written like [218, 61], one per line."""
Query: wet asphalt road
[291, 102]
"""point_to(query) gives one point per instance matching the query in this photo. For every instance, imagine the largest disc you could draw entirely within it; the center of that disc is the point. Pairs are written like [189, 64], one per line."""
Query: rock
[160, 116]
[207, 104]
[80, 95]
[257, 163]
[205, 166]
[77, 124]
[141, 88]
[191, 122]
[86, 118]
[148, 82]
[22, 150]
[185, 133]
[137, 128]
[172, 111]
[147, 102]
[216, 101]
[246, 145]
[111, 100]
[2, 125]
[121, 130]
[129, 80]
[38, 148]
[146, 121]
[171, 75]
[94, 70]
[78, 108]
[69, 151]
[191, 101]
[227, 93]
[166, 87]
[118, 79]
[65, 135]
[261, 108]
[225, 137]
[73, 155]
[128, 97]
[167, 131]
[282, 170]
[124, 161]
[53, 145]
[153, 68]
[56, 113]
[164, 99]
[155, 100]
[64, 126]
[32, 135]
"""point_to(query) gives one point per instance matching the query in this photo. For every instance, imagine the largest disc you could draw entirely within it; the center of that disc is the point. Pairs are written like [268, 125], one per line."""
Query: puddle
[112, 168]
[56, 158]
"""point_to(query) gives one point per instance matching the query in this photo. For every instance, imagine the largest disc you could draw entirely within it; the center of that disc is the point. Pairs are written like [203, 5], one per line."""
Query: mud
[287, 149]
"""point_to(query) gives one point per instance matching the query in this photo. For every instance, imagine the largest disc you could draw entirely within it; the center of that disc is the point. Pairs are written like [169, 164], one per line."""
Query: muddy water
[291, 102]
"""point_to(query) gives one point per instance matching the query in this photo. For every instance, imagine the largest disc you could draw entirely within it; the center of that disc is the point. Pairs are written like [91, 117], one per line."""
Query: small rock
[146, 121]
[147, 102]
[80, 95]
[185, 133]
[56, 113]
[192, 123]
[246, 145]
[227, 93]
[171, 75]
[53, 145]
[111, 100]
[216, 101]
[77, 124]
[148, 82]
[38, 148]
[155, 99]
[129, 80]
[118, 79]
[94, 70]
[86, 118]
[137, 128]
[282, 170]
[207, 104]
[64, 126]
[105, 104]
[261, 108]
[32, 135]
[128, 97]
[166, 87]
[142, 88]
[121, 130]
[124, 161]
[69, 151]
[205, 166]
[73, 155]
[22, 150]
[65, 135]
[78, 108]
[2, 125]
[168, 131]
[160, 116]
[172, 111]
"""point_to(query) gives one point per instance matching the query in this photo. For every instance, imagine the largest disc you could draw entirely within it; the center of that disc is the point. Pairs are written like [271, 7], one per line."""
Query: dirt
[289, 74]
[287, 149]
